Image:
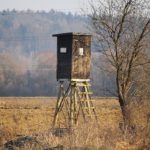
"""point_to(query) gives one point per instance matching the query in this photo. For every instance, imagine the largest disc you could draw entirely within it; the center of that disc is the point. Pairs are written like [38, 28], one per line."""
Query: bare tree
[122, 30]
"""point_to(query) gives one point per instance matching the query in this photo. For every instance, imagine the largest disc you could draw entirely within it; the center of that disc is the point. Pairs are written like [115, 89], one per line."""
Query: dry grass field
[32, 118]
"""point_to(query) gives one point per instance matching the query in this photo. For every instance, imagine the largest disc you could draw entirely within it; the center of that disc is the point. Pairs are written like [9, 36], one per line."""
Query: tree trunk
[124, 111]
[122, 101]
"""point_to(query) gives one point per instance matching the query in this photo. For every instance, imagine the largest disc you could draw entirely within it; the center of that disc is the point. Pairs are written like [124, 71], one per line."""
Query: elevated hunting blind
[73, 65]
[73, 55]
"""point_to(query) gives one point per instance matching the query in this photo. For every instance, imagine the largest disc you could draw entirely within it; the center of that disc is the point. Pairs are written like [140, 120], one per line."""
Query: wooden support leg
[59, 99]
[71, 119]
[74, 100]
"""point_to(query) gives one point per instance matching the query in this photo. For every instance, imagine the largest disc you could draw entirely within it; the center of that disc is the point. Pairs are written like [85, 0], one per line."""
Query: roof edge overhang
[71, 33]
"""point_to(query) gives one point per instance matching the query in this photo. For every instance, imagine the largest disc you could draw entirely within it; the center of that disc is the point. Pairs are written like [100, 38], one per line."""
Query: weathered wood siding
[64, 59]
[75, 62]
[81, 63]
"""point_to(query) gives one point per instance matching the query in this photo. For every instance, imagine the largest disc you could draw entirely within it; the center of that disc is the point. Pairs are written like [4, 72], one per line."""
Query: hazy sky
[62, 5]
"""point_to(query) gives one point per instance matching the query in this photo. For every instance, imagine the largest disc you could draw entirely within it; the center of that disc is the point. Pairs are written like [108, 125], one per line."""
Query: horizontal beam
[80, 80]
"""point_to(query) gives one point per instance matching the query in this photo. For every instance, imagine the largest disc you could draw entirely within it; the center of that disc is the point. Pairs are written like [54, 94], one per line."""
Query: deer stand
[72, 102]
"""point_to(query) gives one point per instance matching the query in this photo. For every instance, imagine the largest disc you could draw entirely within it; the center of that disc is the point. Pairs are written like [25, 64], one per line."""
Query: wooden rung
[82, 84]
[86, 93]
[91, 115]
[87, 100]
[89, 107]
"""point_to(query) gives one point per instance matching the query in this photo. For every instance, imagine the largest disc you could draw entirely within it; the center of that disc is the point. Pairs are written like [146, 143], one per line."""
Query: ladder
[74, 101]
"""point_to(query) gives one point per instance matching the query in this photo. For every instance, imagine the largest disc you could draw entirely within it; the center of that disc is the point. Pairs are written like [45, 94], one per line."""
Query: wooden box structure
[73, 65]
[73, 55]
